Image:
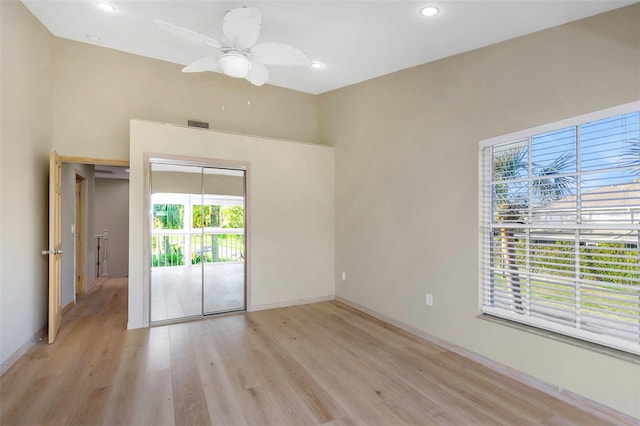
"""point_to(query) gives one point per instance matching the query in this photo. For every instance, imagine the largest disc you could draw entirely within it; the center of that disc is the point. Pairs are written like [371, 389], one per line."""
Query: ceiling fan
[237, 54]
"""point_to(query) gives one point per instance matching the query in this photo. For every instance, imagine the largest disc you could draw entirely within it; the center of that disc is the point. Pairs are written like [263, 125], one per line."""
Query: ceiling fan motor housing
[235, 64]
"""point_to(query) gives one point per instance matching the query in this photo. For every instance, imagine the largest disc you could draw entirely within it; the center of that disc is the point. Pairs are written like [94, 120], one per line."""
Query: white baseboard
[134, 325]
[597, 409]
[255, 308]
[6, 365]
[68, 307]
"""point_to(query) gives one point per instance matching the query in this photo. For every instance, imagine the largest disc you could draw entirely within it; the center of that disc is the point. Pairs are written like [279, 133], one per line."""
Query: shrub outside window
[189, 229]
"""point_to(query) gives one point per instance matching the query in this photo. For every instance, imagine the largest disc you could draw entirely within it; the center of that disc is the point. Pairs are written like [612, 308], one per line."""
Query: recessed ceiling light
[106, 7]
[317, 65]
[429, 11]
[93, 39]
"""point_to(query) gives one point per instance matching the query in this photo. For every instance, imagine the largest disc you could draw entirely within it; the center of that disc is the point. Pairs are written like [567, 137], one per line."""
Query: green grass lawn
[592, 296]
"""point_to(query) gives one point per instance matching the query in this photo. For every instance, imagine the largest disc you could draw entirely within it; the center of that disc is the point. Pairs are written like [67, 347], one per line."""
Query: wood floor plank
[372, 348]
[365, 391]
[222, 403]
[156, 407]
[292, 374]
[190, 405]
[292, 400]
[89, 411]
[460, 378]
[121, 406]
[319, 364]
[26, 408]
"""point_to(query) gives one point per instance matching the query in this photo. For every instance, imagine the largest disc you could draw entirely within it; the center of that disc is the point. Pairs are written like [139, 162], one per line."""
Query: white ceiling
[356, 39]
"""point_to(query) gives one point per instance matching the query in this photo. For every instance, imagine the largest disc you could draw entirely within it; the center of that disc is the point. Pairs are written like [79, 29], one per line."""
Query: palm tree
[631, 156]
[512, 207]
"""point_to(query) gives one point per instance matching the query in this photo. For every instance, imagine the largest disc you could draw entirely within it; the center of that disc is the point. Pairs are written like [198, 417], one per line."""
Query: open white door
[55, 245]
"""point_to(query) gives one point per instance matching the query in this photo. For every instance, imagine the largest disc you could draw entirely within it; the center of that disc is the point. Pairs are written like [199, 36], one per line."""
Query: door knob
[47, 252]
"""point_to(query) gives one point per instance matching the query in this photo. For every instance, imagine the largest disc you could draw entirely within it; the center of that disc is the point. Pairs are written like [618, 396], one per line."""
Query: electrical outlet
[429, 299]
[344, 276]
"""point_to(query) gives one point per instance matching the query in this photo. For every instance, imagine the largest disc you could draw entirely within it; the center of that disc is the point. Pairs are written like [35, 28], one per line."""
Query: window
[168, 216]
[559, 222]
[207, 215]
[215, 233]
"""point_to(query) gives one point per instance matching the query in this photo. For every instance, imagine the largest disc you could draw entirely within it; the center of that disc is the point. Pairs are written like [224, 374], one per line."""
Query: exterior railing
[217, 248]
[177, 249]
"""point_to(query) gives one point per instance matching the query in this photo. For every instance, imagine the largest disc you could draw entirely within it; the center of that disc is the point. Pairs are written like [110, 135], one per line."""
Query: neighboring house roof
[617, 204]
[600, 198]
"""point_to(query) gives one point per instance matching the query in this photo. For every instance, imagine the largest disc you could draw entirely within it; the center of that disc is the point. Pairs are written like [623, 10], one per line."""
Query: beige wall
[174, 182]
[98, 90]
[112, 213]
[26, 99]
[407, 184]
[290, 209]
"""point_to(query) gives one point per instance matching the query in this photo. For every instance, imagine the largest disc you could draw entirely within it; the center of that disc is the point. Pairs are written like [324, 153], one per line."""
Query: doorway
[80, 234]
[197, 244]
[71, 216]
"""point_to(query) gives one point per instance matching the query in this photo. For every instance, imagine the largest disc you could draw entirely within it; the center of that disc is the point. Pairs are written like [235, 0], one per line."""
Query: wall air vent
[200, 124]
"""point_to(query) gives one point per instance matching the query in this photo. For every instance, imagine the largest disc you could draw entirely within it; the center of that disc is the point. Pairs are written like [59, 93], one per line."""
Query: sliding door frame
[180, 160]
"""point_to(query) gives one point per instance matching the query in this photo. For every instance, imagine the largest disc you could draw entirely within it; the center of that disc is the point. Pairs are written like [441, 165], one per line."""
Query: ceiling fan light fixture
[429, 11]
[105, 6]
[235, 64]
[238, 54]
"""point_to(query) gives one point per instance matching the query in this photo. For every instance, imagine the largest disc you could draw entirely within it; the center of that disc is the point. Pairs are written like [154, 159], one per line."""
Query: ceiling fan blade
[278, 54]
[209, 63]
[241, 26]
[188, 35]
[258, 73]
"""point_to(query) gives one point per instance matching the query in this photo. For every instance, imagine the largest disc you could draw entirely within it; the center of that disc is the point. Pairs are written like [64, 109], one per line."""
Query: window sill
[615, 353]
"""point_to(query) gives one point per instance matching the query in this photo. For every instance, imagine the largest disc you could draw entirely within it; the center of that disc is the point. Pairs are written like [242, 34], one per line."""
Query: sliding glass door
[176, 287]
[224, 241]
[197, 241]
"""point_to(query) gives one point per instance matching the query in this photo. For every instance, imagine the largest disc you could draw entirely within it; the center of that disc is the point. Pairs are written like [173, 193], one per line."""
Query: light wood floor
[306, 365]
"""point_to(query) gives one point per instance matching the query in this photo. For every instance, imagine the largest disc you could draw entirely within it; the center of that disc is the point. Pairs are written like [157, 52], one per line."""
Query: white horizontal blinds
[552, 269]
[609, 283]
[554, 176]
[560, 220]
[507, 190]
[610, 155]
[485, 207]
[510, 181]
